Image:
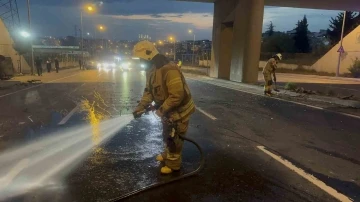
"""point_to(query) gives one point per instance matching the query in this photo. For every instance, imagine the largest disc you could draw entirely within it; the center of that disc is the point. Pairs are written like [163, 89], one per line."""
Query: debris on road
[347, 97]
[30, 119]
[34, 81]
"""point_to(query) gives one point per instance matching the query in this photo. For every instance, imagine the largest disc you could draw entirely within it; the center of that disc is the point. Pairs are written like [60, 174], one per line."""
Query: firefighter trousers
[268, 82]
[173, 143]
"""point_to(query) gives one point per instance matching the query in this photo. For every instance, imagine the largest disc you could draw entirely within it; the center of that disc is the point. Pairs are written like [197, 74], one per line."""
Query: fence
[204, 63]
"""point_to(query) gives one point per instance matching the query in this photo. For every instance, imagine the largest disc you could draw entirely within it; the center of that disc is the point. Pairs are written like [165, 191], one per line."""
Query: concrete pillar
[247, 41]
[222, 9]
[237, 31]
[226, 38]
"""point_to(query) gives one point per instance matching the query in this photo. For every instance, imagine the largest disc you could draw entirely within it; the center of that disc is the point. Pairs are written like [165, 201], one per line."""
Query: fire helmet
[145, 50]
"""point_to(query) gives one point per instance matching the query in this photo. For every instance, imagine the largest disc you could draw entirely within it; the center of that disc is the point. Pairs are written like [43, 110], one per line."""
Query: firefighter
[268, 71]
[166, 86]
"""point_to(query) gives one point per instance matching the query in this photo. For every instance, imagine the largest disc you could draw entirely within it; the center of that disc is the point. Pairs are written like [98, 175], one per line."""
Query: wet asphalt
[100, 154]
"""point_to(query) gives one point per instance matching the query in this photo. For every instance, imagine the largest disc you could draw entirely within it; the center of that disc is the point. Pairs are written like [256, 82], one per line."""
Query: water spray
[47, 160]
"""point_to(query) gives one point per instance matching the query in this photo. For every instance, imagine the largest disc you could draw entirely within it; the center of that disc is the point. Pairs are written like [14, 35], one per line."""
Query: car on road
[91, 64]
[106, 66]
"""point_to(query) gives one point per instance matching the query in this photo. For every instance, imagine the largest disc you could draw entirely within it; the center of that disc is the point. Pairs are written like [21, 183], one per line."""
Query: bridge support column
[237, 39]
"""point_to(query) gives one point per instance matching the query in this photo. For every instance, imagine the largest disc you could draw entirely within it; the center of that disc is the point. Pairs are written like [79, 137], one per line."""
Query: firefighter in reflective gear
[269, 70]
[166, 86]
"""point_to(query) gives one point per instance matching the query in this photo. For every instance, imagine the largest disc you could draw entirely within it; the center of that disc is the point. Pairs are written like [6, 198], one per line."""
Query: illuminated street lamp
[31, 42]
[191, 32]
[88, 9]
[173, 39]
[25, 34]
[101, 28]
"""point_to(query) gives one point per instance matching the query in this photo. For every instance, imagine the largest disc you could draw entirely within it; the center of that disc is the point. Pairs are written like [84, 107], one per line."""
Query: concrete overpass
[237, 29]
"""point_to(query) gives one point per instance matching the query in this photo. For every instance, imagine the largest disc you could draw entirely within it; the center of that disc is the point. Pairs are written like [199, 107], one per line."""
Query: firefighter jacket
[270, 66]
[166, 86]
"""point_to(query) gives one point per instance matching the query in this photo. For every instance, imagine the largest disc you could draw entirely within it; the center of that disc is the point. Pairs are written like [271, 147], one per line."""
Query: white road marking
[69, 115]
[298, 103]
[206, 114]
[307, 176]
[76, 88]
[1, 96]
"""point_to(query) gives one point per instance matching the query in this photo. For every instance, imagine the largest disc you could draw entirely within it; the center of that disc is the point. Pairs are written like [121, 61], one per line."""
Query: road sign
[341, 49]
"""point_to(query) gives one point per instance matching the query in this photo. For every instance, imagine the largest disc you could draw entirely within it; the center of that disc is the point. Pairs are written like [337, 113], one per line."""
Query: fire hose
[158, 184]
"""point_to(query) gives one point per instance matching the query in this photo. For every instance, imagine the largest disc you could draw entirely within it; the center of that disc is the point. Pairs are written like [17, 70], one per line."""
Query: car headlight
[125, 65]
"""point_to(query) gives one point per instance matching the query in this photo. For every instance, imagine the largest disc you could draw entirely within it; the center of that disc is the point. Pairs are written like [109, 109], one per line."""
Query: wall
[204, 63]
[351, 44]
[286, 66]
[6, 49]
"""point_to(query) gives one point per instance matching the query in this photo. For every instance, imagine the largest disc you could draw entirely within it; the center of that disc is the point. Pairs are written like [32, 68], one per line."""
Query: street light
[341, 45]
[173, 39]
[89, 9]
[101, 28]
[25, 34]
[31, 42]
[193, 60]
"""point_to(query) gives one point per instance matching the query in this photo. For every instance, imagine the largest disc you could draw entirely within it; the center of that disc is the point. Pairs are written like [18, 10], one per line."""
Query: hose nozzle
[138, 114]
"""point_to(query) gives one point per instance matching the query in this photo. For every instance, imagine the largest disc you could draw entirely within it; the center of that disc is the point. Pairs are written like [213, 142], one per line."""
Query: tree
[278, 43]
[352, 20]
[302, 43]
[270, 30]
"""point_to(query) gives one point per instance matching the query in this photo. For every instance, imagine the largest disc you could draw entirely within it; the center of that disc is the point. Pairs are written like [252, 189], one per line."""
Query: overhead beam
[350, 5]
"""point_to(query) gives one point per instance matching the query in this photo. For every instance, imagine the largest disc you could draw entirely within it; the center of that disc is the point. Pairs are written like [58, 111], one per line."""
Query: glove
[139, 110]
[159, 114]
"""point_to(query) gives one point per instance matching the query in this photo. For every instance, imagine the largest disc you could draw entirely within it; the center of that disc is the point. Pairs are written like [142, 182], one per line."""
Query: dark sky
[126, 19]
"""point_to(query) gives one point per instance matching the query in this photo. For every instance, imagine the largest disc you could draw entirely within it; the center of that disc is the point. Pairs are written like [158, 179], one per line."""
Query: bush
[290, 86]
[355, 68]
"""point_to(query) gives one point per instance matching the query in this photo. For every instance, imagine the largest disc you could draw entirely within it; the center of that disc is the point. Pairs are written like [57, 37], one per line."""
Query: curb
[259, 91]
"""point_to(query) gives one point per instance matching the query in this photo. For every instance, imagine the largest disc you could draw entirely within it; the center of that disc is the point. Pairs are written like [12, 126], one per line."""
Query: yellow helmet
[145, 50]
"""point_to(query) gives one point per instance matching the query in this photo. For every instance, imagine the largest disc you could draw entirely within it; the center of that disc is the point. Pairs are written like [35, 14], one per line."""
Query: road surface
[71, 139]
